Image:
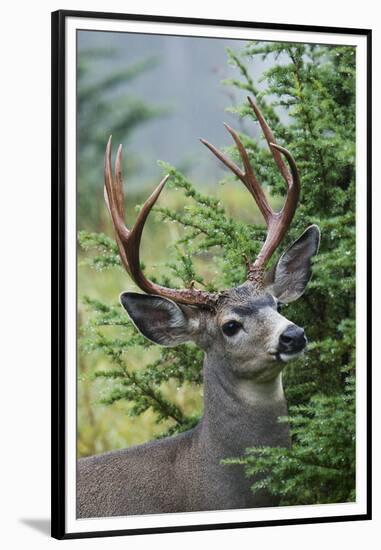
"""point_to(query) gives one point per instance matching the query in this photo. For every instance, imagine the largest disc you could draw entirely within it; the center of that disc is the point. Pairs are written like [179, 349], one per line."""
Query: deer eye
[279, 306]
[231, 327]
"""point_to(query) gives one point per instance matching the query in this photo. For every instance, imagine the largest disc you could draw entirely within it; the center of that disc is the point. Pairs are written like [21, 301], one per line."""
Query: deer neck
[241, 413]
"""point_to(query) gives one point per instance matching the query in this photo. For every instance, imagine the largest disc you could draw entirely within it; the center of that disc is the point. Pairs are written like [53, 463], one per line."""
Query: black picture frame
[58, 449]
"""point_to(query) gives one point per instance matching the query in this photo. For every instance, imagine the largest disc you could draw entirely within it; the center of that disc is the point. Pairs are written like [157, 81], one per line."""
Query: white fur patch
[290, 356]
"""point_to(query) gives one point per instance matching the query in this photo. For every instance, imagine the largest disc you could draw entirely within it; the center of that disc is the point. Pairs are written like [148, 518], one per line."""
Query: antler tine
[115, 209]
[247, 177]
[293, 193]
[128, 241]
[134, 240]
[119, 182]
[114, 194]
[267, 132]
[277, 222]
[223, 158]
[250, 179]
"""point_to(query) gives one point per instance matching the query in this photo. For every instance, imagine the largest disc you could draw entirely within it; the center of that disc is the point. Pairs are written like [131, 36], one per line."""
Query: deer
[246, 342]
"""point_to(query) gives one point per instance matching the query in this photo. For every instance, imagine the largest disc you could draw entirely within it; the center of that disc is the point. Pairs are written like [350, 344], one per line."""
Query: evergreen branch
[156, 401]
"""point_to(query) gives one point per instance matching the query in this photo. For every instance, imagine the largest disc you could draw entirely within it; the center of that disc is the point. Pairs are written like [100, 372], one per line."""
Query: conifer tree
[308, 97]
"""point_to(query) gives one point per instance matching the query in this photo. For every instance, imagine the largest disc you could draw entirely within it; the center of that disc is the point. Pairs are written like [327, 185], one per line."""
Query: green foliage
[208, 228]
[308, 97]
[107, 250]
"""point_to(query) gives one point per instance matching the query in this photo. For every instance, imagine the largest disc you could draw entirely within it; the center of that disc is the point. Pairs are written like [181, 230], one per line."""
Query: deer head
[241, 327]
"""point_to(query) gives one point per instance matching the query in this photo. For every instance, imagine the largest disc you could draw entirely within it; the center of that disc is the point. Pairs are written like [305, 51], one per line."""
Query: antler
[277, 222]
[128, 241]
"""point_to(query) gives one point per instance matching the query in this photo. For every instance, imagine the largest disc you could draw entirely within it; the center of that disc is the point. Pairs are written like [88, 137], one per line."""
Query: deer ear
[160, 320]
[288, 280]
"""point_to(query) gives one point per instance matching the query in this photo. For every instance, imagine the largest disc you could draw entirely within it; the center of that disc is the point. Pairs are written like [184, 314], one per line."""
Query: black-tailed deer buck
[246, 341]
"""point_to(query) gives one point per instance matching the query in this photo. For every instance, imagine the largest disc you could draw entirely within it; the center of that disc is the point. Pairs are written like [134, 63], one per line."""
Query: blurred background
[158, 95]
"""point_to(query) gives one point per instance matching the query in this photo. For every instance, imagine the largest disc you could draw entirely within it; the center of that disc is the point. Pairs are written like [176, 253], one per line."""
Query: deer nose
[292, 340]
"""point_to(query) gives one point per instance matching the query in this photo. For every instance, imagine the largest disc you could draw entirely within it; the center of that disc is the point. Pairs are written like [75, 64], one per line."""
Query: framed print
[210, 320]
